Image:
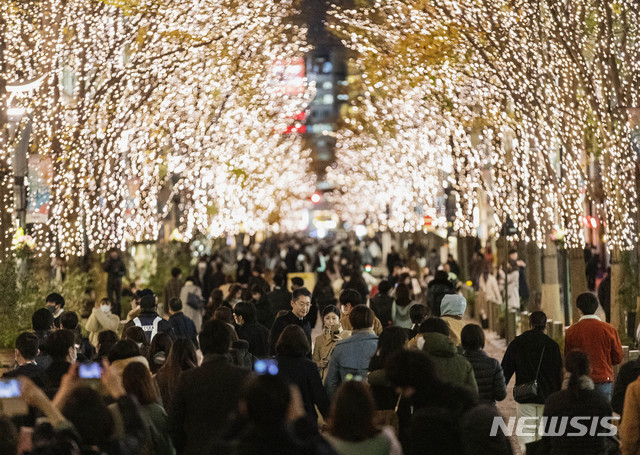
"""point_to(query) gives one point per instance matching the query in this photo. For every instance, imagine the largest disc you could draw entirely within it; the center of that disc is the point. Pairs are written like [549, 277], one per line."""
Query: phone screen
[266, 366]
[10, 388]
[90, 370]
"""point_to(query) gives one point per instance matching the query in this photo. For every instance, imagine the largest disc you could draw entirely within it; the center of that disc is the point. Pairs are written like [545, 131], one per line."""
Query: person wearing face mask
[55, 304]
[332, 332]
[61, 346]
[101, 319]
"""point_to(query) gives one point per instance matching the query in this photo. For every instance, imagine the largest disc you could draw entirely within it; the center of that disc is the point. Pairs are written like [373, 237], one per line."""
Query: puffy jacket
[450, 366]
[489, 376]
[351, 356]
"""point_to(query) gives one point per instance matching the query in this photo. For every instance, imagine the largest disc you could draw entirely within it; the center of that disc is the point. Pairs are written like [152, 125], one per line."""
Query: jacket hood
[438, 345]
[453, 305]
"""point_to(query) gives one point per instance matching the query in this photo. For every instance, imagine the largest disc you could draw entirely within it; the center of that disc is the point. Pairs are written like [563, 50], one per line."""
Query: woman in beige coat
[332, 333]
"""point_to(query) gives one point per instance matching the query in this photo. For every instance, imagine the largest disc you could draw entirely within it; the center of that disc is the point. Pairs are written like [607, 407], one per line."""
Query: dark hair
[234, 290]
[215, 337]
[391, 340]
[257, 289]
[436, 325]
[123, 349]
[69, 320]
[245, 295]
[440, 276]
[58, 343]
[472, 337]
[42, 319]
[106, 340]
[182, 356]
[361, 317]
[27, 344]
[8, 437]
[215, 299]
[350, 296]
[352, 413]
[136, 334]
[224, 314]
[411, 368]
[538, 320]
[278, 279]
[297, 281]
[403, 295]
[577, 364]
[175, 272]
[160, 343]
[293, 342]
[384, 286]
[175, 304]
[56, 298]
[587, 303]
[267, 400]
[137, 381]
[330, 309]
[148, 301]
[247, 310]
[417, 313]
[87, 411]
[300, 292]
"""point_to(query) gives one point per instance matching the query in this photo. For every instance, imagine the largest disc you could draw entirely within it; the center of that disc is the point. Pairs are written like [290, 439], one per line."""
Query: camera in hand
[11, 398]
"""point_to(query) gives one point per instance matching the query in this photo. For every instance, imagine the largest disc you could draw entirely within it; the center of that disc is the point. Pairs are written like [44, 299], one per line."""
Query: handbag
[195, 301]
[527, 392]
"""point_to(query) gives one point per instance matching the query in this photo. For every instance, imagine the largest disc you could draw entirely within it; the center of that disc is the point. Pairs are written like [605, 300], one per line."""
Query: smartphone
[90, 370]
[266, 366]
[11, 398]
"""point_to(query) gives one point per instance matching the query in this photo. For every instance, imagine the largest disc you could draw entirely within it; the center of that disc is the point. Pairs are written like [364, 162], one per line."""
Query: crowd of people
[229, 363]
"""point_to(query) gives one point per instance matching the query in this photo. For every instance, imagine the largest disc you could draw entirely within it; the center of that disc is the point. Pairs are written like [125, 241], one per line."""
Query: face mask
[420, 343]
[51, 308]
[105, 308]
[343, 309]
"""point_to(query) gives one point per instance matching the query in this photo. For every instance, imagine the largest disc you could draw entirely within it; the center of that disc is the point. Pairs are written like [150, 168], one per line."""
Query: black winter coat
[489, 377]
[304, 373]
[184, 327]
[257, 336]
[381, 305]
[628, 373]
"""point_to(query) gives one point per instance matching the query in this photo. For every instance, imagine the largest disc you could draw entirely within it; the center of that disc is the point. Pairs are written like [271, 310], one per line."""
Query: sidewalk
[495, 347]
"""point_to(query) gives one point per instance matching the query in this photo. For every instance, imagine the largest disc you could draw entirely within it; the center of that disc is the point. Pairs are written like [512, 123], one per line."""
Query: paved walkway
[495, 347]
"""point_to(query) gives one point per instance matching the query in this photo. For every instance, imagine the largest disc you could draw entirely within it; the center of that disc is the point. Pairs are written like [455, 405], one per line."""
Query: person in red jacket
[598, 339]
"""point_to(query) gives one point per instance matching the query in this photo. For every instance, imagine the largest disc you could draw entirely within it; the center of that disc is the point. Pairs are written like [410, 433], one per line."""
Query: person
[354, 280]
[257, 279]
[323, 295]
[206, 395]
[122, 354]
[183, 327]
[402, 306]
[42, 324]
[349, 299]
[248, 329]
[296, 283]
[453, 265]
[69, 320]
[604, 295]
[393, 259]
[488, 290]
[512, 272]
[629, 432]
[136, 334]
[382, 303]
[234, 296]
[116, 270]
[278, 299]
[436, 290]
[216, 300]
[476, 432]
[324, 344]
[55, 305]
[8, 436]
[417, 313]
[61, 346]
[173, 288]
[487, 371]
[598, 339]
[300, 304]
[192, 302]
[451, 366]
[522, 358]
[578, 400]
[201, 277]
[391, 340]
[351, 428]
[138, 383]
[292, 351]
[351, 357]
[25, 355]
[452, 308]
[224, 314]
[106, 341]
[438, 406]
[182, 356]
[627, 373]
[158, 351]
[149, 320]
[100, 319]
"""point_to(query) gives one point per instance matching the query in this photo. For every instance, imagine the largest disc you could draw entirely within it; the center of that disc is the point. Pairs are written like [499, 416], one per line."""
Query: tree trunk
[534, 276]
[577, 279]
[550, 302]
[616, 281]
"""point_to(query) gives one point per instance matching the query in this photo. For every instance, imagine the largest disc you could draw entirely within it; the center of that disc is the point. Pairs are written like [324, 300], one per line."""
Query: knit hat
[453, 305]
